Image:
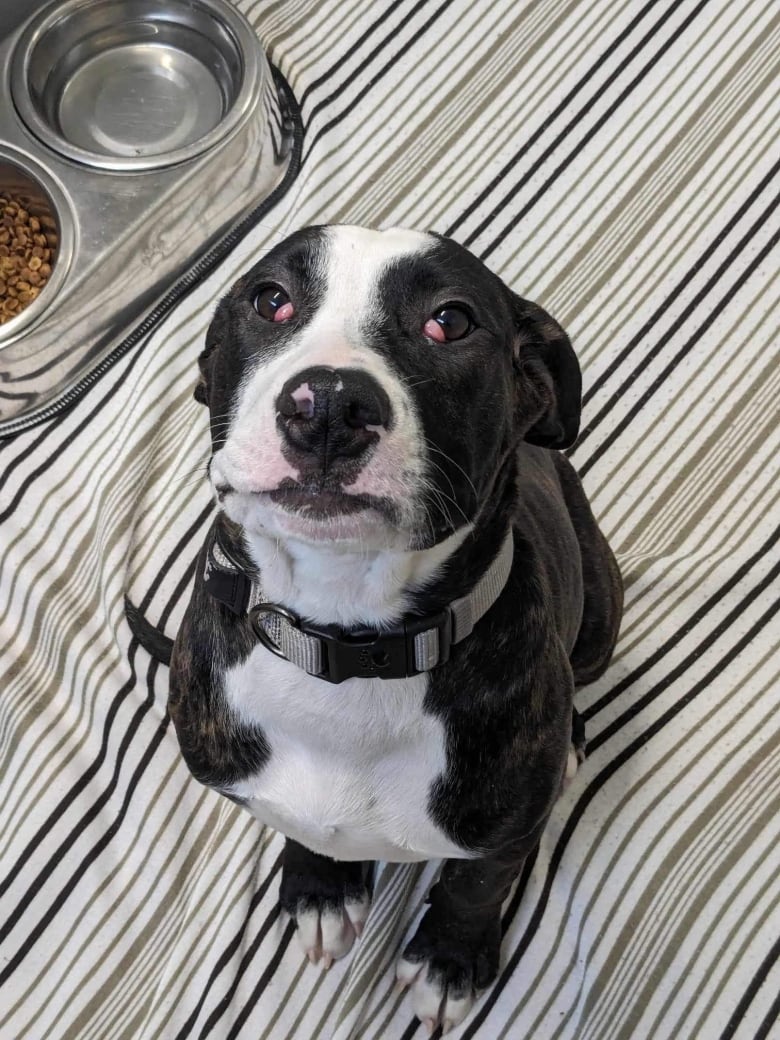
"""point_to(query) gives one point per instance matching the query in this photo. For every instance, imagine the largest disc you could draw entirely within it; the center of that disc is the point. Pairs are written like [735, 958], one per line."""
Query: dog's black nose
[332, 412]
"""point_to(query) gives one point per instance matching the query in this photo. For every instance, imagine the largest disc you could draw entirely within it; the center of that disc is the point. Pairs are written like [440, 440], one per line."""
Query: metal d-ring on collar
[411, 646]
[258, 611]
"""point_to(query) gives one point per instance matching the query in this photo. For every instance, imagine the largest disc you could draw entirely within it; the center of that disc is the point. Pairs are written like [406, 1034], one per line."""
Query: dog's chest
[350, 766]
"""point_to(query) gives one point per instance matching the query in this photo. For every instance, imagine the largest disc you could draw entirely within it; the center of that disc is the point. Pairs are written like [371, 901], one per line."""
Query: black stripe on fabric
[171, 559]
[262, 982]
[4, 445]
[412, 1028]
[619, 358]
[772, 1016]
[81, 784]
[520, 889]
[595, 787]
[230, 950]
[702, 647]
[226, 1001]
[683, 631]
[659, 381]
[749, 996]
[354, 101]
[50, 460]
[151, 638]
[201, 269]
[537, 134]
[147, 634]
[349, 53]
[35, 933]
[77, 789]
[591, 134]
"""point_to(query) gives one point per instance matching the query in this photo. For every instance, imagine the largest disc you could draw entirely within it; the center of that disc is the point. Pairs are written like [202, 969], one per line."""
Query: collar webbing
[411, 646]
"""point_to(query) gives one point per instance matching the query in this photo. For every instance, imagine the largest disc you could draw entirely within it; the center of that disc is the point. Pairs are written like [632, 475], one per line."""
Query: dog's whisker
[439, 503]
[429, 520]
[419, 380]
[187, 478]
[441, 495]
[452, 462]
[199, 470]
[222, 417]
[444, 474]
[194, 482]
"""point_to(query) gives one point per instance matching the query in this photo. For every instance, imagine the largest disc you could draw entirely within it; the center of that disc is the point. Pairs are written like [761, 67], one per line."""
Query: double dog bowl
[133, 133]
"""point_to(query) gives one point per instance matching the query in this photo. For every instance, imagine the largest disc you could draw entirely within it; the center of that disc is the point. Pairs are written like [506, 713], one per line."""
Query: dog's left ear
[549, 376]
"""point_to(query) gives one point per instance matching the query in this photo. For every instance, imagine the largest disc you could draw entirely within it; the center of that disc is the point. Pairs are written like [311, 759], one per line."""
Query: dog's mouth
[318, 503]
[324, 503]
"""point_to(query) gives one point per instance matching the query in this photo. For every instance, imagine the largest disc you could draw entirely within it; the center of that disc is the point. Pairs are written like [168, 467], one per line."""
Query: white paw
[432, 1000]
[329, 932]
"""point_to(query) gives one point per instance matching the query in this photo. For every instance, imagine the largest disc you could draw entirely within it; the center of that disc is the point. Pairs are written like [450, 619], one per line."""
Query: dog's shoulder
[217, 746]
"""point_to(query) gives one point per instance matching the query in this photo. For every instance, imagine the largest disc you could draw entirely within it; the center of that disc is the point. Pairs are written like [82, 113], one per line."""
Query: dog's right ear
[215, 334]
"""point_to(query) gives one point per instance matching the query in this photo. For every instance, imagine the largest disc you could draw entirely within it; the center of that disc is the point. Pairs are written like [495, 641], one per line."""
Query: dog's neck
[337, 585]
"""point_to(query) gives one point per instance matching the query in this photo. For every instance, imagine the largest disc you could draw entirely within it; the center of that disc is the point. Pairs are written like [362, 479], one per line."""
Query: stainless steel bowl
[135, 84]
[22, 178]
[133, 229]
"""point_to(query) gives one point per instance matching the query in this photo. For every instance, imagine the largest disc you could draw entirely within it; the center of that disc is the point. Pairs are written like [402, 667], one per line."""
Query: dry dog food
[27, 247]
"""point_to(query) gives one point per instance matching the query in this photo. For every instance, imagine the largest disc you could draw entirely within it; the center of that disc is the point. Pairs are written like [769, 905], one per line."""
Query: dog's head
[370, 386]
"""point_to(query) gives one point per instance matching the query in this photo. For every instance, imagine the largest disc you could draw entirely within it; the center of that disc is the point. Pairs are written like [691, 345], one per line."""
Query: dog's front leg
[455, 950]
[328, 899]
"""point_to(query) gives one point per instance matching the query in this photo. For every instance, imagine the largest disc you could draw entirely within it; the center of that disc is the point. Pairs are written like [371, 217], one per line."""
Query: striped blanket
[613, 160]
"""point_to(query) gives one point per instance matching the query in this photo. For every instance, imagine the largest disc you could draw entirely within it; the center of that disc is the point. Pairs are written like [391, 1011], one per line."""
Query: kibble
[27, 246]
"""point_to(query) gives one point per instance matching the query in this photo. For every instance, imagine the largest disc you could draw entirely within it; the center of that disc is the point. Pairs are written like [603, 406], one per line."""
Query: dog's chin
[321, 518]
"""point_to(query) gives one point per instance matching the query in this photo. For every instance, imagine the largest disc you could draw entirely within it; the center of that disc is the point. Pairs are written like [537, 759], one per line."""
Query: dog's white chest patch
[351, 765]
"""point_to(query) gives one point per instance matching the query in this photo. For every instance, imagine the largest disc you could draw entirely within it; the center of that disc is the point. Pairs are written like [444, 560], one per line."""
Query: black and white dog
[401, 589]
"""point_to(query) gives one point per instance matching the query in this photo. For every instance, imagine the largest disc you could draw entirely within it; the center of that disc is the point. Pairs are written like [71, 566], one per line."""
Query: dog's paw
[328, 900]
[327, 929]
[444, 982]
[435, 1001]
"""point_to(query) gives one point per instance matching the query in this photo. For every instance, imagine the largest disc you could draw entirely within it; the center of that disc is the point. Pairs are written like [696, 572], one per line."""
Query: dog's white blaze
[251, 459]
[351, 765]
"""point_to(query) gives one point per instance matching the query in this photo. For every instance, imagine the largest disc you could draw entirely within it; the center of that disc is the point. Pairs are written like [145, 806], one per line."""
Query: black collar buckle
[389, 654]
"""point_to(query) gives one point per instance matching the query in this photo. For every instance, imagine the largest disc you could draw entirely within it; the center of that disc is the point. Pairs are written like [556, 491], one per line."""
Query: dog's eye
[273, 304]
[448, 323]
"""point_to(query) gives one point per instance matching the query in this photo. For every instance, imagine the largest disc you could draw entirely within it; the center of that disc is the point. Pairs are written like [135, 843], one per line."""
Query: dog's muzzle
[329, 413]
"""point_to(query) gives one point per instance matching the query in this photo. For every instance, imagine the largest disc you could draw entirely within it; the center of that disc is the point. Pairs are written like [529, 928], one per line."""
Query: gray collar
[410, 646]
